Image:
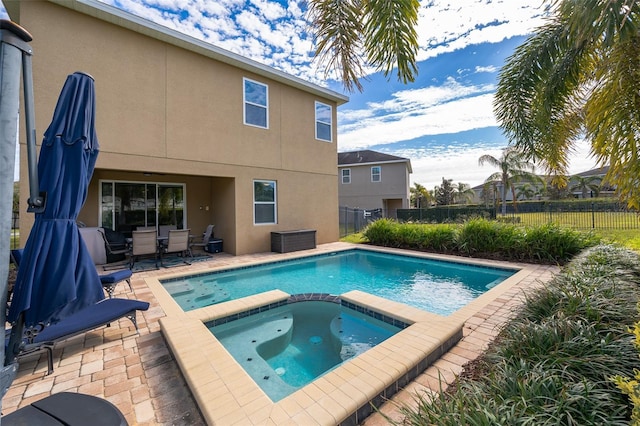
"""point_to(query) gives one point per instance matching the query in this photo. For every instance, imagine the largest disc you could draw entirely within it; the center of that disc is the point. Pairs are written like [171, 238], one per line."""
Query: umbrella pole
[13, 50]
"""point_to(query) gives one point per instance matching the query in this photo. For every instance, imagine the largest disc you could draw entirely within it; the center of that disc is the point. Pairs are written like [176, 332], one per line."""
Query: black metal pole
[13, 49]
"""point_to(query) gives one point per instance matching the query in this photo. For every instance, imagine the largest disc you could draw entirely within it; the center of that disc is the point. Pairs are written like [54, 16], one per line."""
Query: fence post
[593, 216]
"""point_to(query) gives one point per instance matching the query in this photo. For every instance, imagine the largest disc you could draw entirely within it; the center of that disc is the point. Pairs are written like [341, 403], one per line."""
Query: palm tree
[513, 166]
[421, 197]
[526, 191]
[463, 193]
[354, 35]
[586, 184]
[577, 76]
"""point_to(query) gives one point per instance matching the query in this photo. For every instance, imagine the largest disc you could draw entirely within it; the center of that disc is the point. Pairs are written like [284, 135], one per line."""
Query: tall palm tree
[463, 193]
[421, 197]
[353, 36]
[577, 76]
[513, 166]
[586, 184]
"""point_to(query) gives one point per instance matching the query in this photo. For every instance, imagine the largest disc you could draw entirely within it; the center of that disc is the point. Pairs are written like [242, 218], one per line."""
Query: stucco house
[190, 134]
[371, 180]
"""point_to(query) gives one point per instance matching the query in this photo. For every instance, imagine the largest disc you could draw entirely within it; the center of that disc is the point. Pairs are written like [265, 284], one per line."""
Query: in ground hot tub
[285, 348]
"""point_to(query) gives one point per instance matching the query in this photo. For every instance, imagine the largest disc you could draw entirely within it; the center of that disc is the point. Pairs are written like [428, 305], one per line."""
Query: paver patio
[140, 376]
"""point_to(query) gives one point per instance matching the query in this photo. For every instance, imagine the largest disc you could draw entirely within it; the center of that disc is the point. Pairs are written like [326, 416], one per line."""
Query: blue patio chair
[110, 281]
[100, 314]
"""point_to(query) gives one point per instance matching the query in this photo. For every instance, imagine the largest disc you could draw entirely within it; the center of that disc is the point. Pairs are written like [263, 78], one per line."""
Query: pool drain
[315, 340]
[280, 371]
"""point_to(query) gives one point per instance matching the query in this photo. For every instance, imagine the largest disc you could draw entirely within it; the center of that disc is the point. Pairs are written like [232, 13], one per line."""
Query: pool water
[285, 348]
[436, 286]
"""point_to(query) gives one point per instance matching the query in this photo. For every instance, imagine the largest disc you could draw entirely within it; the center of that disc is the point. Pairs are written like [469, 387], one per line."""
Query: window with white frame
[265, 209]
[256, 103]
[323, 122]
[346, 175]
[376, 172]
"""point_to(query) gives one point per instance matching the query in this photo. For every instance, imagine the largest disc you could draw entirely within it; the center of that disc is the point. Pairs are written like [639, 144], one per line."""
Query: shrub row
[558, 360]
[483, 238]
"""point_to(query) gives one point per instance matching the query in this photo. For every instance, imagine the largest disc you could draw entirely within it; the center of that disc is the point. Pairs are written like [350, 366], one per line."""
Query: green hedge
[558, 360]
[484, 238]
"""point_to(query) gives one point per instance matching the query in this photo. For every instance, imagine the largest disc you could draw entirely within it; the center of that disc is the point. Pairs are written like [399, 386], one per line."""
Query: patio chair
[163, 230]
[100, 314]
[178, 242]
[208, 234]
[114, 251]
[143, 243]
[110, 281]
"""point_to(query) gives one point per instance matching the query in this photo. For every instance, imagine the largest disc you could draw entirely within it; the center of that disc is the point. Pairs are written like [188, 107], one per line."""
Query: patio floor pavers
[138, 373]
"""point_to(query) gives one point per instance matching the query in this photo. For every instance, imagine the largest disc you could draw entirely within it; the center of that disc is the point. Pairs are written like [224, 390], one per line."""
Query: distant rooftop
[369, 157]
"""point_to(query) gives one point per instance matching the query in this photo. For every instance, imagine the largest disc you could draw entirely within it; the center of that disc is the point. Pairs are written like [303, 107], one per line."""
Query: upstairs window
[323, 122]
[256, 103]
[264, 202]
[376, 174]
[346, 176]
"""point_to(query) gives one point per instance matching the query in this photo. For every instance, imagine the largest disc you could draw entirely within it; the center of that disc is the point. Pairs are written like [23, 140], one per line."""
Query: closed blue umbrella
[57, 276]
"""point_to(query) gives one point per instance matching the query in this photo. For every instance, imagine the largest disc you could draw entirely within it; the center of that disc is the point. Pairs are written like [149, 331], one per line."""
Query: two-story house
[371, 180]
[189, 134]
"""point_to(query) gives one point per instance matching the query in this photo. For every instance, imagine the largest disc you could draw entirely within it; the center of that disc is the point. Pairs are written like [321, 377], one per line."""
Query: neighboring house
[604, 189]
[189, 134]
[372, 180]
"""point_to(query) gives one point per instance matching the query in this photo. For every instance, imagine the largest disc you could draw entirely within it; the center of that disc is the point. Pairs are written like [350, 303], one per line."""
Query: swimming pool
[287, 347]
[436, 286]
[348, 393]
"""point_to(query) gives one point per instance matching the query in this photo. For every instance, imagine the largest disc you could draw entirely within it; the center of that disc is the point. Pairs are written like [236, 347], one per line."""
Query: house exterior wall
[177, 114]
[364, 194]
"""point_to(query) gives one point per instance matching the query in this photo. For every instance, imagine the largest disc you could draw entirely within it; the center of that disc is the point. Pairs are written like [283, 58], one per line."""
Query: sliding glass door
[126, 206]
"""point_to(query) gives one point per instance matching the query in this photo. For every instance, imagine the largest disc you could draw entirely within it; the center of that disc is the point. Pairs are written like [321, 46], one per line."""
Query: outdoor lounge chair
[110, 281]
[102, 313]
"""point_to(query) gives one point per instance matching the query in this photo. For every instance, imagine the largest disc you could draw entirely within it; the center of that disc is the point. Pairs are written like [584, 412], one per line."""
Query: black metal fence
[355, 220]
[577, 214]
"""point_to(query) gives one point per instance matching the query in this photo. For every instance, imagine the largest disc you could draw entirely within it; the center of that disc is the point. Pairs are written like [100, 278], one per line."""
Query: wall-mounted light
[147, 174]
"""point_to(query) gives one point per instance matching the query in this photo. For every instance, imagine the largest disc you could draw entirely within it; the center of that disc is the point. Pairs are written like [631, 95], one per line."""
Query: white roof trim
[140, 25]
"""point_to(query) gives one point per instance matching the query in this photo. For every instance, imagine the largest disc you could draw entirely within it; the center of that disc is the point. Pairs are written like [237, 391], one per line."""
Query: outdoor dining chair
[113, 251]
[208, 234]
[163, 230]
[178, 242]
[143, 243]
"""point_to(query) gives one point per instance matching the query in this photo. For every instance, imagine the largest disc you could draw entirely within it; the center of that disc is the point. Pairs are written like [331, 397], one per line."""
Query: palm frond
[391, 40]
[338, 32]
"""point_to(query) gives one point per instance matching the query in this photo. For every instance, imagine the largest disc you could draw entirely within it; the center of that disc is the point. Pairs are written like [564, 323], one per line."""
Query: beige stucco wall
[177, 114]
[364, 194]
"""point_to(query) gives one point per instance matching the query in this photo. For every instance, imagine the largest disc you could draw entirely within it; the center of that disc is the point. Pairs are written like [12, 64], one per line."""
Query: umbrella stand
[15, 53]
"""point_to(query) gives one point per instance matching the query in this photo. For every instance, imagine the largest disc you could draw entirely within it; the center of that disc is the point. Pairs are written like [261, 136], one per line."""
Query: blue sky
[443, 121]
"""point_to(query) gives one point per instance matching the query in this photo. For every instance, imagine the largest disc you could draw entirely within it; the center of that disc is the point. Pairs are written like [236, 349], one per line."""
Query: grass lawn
[583, 220]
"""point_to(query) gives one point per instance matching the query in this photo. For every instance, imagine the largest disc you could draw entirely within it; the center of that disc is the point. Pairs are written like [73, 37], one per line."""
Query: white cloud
[445, 26]
[409, 114]
[460, 163]
[489, 69]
